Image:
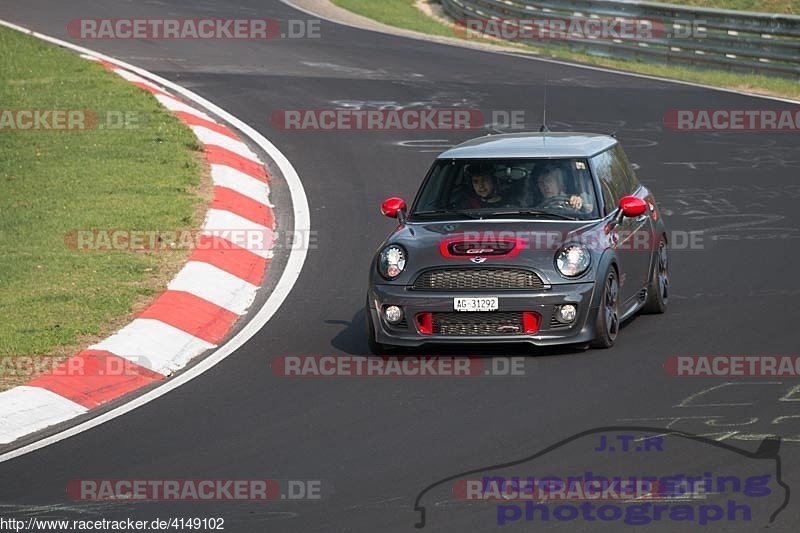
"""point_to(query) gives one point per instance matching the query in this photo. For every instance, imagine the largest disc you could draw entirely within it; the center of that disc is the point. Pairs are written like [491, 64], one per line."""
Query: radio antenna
[544, 128]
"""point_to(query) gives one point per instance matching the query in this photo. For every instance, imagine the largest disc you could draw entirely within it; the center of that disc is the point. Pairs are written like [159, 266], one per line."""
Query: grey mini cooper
[545, 238]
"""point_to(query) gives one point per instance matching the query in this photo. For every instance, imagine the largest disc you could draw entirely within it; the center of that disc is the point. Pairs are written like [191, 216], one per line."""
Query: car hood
[538, 241]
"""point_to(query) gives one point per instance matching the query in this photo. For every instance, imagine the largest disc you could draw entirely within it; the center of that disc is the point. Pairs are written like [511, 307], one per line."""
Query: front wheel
[658, 286]
[607, 322]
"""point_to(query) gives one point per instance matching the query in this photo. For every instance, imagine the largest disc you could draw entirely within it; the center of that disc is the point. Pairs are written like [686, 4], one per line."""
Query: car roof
[521, 145]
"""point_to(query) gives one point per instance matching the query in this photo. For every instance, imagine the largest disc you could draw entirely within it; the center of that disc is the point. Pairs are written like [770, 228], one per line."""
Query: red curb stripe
[192, 314]
[151, 89]
[231, 258]
[244, 206]
[95, 377]
[194, 120]
[107, 65]
[216, 155]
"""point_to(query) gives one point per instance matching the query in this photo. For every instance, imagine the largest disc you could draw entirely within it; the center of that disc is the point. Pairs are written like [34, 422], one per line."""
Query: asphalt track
[379, 442]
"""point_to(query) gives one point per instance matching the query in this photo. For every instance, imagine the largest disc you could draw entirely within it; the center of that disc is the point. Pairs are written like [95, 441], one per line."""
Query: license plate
[475, 304]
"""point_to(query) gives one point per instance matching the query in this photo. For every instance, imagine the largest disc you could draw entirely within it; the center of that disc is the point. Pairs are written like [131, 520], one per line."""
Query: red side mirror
[392, 207]
[632, 206]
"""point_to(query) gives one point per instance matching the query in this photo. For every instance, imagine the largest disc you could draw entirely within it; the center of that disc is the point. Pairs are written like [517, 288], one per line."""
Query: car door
[638, 230]
[631, 237]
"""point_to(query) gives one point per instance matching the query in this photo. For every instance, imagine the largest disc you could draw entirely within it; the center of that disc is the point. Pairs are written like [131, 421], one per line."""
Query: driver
[550, 185]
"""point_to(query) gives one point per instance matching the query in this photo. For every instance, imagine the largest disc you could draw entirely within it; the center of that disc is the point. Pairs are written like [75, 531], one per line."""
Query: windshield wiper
[447, 212]
[527, 212]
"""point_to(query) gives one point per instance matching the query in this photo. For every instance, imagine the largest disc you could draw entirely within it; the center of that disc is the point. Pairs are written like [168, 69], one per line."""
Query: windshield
[479, 188]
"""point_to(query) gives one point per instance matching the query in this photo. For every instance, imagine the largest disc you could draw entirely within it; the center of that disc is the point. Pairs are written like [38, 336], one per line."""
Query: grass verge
[145, 174]
[786, 7]
[405, 14]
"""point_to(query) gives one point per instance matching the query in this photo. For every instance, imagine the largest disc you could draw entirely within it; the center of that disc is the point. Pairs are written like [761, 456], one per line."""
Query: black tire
[658, 285]
[606, 326]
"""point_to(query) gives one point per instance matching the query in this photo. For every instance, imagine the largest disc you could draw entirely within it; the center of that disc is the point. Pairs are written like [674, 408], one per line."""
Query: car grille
[478, 324]
[452, 279]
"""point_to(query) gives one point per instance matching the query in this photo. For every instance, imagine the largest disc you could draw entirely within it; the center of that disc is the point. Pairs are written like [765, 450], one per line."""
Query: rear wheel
[658, 286]
[607, 322]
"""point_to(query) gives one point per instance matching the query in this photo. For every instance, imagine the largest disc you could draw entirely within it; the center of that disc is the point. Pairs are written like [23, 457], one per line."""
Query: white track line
[297, 256]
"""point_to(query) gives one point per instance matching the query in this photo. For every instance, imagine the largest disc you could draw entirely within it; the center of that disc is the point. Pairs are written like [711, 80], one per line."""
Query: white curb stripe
[155, 345]
[216, 286]
[175, 105]
[24, 410]
[225, 176]
[221, 223]
[214, 138]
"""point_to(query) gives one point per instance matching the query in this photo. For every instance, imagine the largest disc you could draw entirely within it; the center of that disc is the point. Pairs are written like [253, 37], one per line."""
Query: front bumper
[544, 302]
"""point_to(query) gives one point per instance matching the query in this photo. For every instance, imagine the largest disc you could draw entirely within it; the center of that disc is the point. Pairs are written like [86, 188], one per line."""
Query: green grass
[53, 298]
[403, 14]
[399, 13]
[787, 7]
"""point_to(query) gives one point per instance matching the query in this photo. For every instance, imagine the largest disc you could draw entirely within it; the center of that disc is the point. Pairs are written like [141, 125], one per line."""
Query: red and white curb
[202, 303]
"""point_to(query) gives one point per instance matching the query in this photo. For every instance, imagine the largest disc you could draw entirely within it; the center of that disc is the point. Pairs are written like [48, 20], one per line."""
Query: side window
[623, 173]
[432, 196]
[603, 166]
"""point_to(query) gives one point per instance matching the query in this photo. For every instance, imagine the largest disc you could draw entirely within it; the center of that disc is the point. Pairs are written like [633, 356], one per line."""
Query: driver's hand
[576, 202]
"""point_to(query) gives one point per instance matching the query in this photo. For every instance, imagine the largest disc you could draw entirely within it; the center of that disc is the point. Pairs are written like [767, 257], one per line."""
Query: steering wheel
[560, 201]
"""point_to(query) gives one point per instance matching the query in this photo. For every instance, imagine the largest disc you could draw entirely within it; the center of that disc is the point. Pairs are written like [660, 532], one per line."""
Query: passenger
[484, 190]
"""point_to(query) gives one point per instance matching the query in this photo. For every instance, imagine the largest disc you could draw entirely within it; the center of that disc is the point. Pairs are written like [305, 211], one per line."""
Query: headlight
[392, 261]
[573, 260]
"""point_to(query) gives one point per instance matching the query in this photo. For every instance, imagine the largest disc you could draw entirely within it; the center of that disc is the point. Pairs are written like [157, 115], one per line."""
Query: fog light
[393, 314]
[567, 313]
